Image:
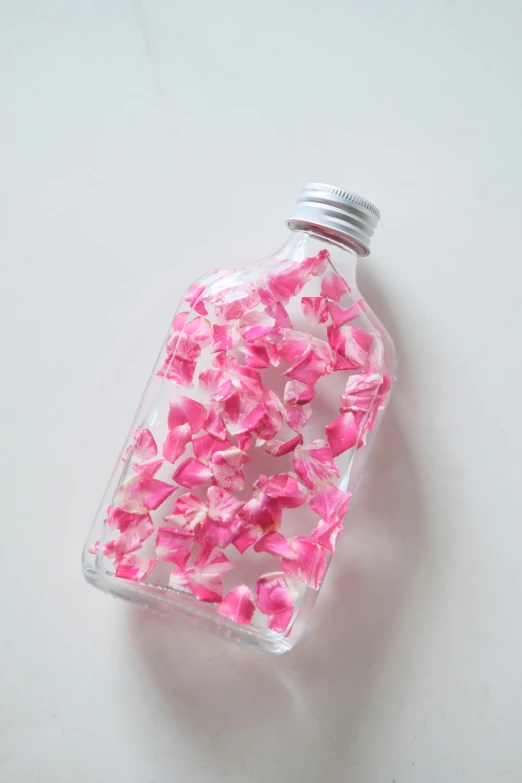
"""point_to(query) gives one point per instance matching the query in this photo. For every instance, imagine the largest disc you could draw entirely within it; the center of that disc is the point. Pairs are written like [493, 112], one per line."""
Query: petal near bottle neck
[302, 244]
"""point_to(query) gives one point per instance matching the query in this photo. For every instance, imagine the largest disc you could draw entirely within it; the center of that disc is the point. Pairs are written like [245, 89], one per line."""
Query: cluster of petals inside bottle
[223, 348]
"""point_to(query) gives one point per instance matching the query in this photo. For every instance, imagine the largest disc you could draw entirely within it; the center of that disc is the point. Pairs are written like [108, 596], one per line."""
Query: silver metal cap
[339, 212]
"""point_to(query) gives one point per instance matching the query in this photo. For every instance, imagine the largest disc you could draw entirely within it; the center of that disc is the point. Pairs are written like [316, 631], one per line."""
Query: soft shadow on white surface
[251, 716]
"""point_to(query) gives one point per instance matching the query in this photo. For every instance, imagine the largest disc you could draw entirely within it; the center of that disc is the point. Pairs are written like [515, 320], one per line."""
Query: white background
[142, 143]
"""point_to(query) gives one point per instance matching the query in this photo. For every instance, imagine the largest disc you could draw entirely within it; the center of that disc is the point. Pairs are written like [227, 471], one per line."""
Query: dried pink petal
[375, 358]
[206, 446]
[194, 297]
[294, 345]
[280, 621]
[254, 325]
[182, 346]
[342, 433]
[226, 466]
[274, 594]
[256, 356]
[318, 264]
[132, 538]
[144, 445]
[200, 330]
[247, 536]
[226, 337]
[242, 413]
[326, 534]
[188, 512]
[178, 579]
[297, 393]
[192, 473]
[222, 522]
[148, 470]
[341, 315]
[273, 543]
[139, 495]
[217, 382]
[288, 280]
[315, 309]
[314, 463]
[307, 561]
[205, 579]
[352, 343]
[298, 416]
[179, 321]
[183, 410]
[176, 442]
[277, 311]
[286, 490]
[233, 302]
[330, 503]
[174, 546]
[178, 371]
[245, 441]
[333, 286]
[238, 605]
[215, 425]
[135, 568]
[279, 448]
[311, 367]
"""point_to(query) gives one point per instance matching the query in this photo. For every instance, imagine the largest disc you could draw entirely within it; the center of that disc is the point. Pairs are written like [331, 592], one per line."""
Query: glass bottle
[226, 502]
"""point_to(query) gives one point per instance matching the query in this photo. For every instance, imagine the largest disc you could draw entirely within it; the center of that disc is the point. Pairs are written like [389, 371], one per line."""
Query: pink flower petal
[306, 561]
[179, 321]
[222, 505]
[139, 495]
[205, 580]
[375, 358]
[273, 354]
[278, 449]
[342, 433]
[232, 303]
[273, 419]
[226, 337]
[260, 513]
[200, 330]
[274, 594]
[135, 568]
[174, 546]
[314, 463]
[326, 534]
[319, 263]
[341, 315]
[192, 473]
[178, 579]
[279, 622]
[148, 470]
[352, 343]
[273, 543]
[182, 346]
[177, 371]
[118, 519]
[247, 536]
[238, 605]
[206, 446]
[286, 490]
[330, 503]
[242, 413]
[188, 512]
[277, 311]
[254, 325]
[183, 410]
[315, 309]
[294, 346]
[215, 425]
[194, 297]
[226, 466]
[245, 441]
[288, 280]
[298, 416]
[333, 286]
[132, 538]
[144, 445]
[311, 367]
[256, 356]
[176, 442]
[217, 382]
[297, 393]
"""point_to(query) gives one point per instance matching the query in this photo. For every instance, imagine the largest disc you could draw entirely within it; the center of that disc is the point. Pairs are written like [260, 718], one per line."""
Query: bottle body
[227, 501]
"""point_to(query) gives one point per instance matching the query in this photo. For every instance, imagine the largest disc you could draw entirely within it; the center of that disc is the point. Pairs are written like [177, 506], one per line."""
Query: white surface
[143, 143]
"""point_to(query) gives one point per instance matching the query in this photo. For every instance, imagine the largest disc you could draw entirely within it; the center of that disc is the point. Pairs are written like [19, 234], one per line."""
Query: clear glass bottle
[226, 502]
